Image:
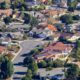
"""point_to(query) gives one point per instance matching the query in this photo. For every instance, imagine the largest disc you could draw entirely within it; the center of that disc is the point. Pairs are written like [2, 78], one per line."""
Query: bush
[66, 19]
[28, 60]
[58, 63]
[7, 20]
[76, 17]
[49, 68]
[42, 64]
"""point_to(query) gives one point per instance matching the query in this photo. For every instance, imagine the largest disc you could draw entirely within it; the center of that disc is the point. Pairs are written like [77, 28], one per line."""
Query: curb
[17, 53]
[15, 57]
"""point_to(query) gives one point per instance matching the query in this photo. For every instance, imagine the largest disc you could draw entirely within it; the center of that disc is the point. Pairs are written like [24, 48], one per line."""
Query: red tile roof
[57, 47]
[54, 49]
[2, 49]
[51, 27]
[7, 12]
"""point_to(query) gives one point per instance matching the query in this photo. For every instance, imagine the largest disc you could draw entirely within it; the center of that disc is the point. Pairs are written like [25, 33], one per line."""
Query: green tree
[3, 5]
[58, 63]
[22, 8]
[33, 67]
[66, 19]
[72, 5]
[27, 77]
[6, 67]
[49, 63]
[35, 51]
[76, 51]
[27, 18]
[28, 60]
[72, 71]
[34, 21]
[42, 64]
[22, 1]
[29, 72]
[76, 17]
[7, 20]
[78, 0]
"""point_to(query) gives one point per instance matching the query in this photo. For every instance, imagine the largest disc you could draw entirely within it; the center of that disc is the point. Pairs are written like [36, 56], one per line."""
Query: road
[19, 70]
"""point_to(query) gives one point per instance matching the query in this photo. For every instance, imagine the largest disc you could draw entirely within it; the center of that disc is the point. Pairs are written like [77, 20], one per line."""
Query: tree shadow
[20, 73]
[25, 54]
[19, 64]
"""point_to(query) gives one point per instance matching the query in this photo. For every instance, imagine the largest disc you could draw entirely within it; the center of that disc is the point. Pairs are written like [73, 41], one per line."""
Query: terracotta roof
[52, 20]
[7, 12]
[55, 12]
[54, 49]
[57, 47]
[2, 49]
[51, 27]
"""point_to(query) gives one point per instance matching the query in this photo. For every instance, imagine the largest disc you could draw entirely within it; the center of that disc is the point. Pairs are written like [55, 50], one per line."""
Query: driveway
[19, 70]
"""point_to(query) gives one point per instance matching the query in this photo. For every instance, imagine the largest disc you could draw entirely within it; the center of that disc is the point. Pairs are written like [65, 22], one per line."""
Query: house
[54, 13]
[70, 37]
[5, 41]
[66, 36]
[51, 74]
[6, 12]
[49, 30]
[55, 37]
[75, 37]
[2, 49]
[17, 35]
[53, 21]
[70, 27]
[44, 30]
[54, 51]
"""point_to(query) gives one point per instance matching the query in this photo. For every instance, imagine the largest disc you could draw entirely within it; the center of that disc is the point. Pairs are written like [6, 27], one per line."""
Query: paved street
[19, 70]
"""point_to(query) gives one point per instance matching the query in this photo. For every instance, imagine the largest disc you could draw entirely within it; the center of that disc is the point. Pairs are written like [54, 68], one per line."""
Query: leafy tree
[49, 63]
[3, 5]
[28, 60]
[35, 51]
[27, 77]
[66, 19]
[72, 71]
[27, 18]
[72, 5]
[22, 1]
[29, 72]
[34, 21]
[76, 17]
[58, 63]
[6, 67]
[7, 20]
[78, 0]
[22, 8]
[42, 64]
[76, 51]
[33, 67]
